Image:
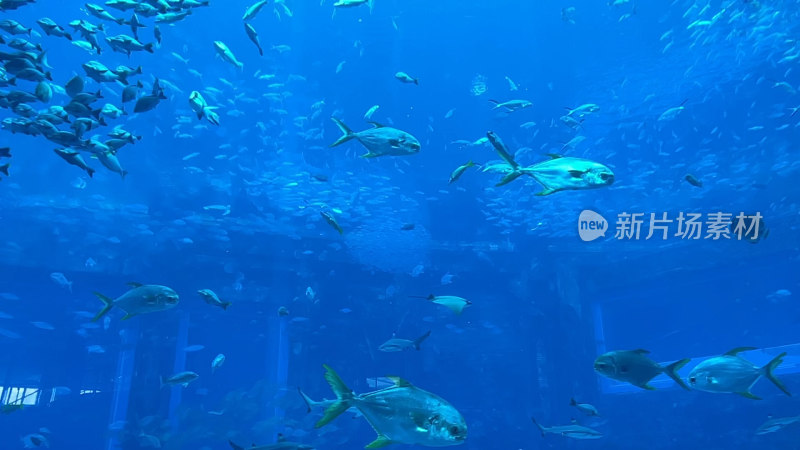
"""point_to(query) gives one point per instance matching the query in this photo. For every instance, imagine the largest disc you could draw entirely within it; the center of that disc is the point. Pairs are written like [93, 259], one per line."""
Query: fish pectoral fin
[546, 191]
[648, 387]
[577, 173]
[379, 442]
[422, 421]
[736, 350]
[369, 155]
[749, 395]
[128, 316]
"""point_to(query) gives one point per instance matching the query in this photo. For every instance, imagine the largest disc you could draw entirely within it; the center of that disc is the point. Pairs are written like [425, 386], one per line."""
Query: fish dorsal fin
[134, 284]
[431, 297]
[641, 351]
[399, 382]
[554, 155]
[738, 350]
[281, 437]
[376, 124]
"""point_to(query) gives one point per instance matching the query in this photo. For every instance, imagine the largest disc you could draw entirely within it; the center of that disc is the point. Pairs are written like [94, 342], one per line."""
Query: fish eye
[454, 429]
[604, 176]
[692, 380]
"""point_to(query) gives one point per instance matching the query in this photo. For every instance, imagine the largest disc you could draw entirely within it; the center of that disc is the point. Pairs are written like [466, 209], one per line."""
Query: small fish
[212, 299]
[62, 280]
[331, 221]
[43, 326]
[399, 345]
[194, 348]
[217, 362]
[460, 171]
[370, 112]
[455, 304]
[406, 78]
[691, 179]
[574, 431]
[773, 425]
[182, 379]
[408, 226]
[585, 408]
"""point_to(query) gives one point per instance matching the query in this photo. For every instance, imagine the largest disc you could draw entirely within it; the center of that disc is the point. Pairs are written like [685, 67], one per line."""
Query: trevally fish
[380, 140]
[143, 298]
[574, 431]
[400, 414]
[730, 373]
[557, 174]
[399, 345]
[634, 367]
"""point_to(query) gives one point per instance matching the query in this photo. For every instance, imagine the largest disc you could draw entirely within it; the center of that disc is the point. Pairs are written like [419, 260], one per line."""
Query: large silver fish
[557, 174]
[734, 374]
[400, 414]
[380, 140]
[282, 444]
[143, 298]
[634, 367]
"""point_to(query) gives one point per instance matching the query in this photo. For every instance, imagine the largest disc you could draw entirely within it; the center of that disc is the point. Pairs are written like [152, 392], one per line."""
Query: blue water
[242, 218]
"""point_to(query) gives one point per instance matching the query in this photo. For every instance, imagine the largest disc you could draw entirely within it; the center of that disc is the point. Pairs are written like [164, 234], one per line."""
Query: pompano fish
[730, 373]
[380, 140]
[567, 173]
[399, 414]
[253, 10]
[142, 298]
[574, 431]
[634, 367]
[399, 345]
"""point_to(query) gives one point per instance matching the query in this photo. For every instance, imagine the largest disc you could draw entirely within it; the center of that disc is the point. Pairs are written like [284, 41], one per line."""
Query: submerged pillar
[180, 365]
[122, 385]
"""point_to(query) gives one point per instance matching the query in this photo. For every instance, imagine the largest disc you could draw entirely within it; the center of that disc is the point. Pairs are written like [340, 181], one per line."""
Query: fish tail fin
[161, 382]
[419, 340]
[4, 168]
[234, 446]
[541, 428]
[308, 401]
[572, 402]
[90, 171]
[149, 47]
[672, 372]
[768, 372]
[347, 133]
[225, 305]
[344, 397]
[107, 305]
